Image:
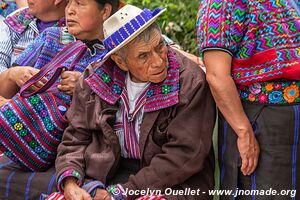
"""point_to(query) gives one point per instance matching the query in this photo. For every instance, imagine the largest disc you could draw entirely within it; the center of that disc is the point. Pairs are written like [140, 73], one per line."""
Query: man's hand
[73, 192]
[68, 81]
[249, 152]
[102, 194]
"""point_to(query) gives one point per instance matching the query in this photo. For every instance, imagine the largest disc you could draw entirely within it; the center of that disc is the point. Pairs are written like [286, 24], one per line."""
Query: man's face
[38, 8]
[147, 61]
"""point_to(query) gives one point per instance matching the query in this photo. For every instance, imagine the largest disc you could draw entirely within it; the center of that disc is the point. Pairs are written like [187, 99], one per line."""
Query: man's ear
[107, 9]
[119, 61]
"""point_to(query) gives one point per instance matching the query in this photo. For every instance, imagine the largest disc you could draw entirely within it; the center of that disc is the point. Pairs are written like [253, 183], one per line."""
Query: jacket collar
[21, 19]
[108, 82]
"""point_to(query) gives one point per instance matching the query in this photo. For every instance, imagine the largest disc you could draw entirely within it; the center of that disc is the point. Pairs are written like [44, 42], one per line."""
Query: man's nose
[156, 60]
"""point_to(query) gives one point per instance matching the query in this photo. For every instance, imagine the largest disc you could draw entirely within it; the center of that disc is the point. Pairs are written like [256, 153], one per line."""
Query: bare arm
[218, 66]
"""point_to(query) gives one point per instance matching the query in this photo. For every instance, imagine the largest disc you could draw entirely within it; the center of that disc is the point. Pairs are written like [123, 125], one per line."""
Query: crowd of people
[97, 103]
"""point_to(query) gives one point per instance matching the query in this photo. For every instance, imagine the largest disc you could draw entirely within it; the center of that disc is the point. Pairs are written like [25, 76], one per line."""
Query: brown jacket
[175, 142]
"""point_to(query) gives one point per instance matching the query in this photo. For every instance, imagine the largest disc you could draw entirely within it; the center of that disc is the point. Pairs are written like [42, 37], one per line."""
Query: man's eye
[142, 56]
[161, 46]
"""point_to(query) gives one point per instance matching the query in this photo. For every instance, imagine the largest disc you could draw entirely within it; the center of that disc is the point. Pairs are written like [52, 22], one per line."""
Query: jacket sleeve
[189, 139]
[76, 137]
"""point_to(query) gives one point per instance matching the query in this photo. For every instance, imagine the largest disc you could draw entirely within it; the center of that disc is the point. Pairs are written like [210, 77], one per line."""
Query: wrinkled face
[38, 8]
[84, 18]
[146, 61]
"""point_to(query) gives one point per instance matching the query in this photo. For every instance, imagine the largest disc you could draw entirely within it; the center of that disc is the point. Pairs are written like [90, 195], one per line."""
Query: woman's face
[84, 19]
[39, 8]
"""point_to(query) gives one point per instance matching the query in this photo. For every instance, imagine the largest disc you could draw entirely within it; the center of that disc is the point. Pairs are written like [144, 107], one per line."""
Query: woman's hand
[68, 81]
[249, 152]
[73, 192]
[102, 194]
[21, 74]
[3, 101]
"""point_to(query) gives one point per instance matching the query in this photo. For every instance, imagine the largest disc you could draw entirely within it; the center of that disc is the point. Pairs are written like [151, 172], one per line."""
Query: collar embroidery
[20, 20]
[108, 82]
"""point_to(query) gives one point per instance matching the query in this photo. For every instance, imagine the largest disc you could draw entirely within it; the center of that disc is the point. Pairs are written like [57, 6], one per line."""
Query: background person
[250, 53]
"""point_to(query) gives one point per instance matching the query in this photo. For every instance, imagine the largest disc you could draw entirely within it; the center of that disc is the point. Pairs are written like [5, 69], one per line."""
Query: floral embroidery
[106, 78]
[18, 126]
[262, 98]
[275, 97]
[255, 88]
[272, 92]
[291, 93]
[150, 93]
[165, 89]
[269, 87]
[117, 89]
[251, 97]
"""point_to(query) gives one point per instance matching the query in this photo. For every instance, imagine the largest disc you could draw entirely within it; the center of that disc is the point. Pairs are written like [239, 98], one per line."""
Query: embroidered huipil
[264, 39]
[38, 54]
[17, 32]
[49, 43]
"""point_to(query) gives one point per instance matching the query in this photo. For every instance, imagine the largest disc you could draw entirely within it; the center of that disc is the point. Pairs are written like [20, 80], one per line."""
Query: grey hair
[144, 36]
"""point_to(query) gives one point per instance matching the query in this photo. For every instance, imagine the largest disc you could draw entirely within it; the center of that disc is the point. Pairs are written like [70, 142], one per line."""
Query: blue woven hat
[123, 26]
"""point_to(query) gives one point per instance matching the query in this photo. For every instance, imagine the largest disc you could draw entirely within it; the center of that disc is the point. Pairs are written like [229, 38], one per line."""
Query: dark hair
[114, 4]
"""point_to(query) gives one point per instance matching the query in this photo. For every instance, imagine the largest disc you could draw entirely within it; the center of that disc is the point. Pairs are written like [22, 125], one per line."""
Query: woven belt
[271, 92]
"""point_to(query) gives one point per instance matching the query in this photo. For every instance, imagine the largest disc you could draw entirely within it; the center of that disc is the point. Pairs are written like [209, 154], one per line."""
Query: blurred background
[178, 23]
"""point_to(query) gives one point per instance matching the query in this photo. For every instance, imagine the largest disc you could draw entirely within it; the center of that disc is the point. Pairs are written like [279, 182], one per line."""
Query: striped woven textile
[59, 196]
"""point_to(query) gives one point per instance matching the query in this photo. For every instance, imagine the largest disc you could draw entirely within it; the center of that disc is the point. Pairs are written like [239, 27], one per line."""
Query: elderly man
[141, 120]
[21, 27]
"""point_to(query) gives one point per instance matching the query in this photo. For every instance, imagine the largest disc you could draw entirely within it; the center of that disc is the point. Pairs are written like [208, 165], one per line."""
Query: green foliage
[178, 22]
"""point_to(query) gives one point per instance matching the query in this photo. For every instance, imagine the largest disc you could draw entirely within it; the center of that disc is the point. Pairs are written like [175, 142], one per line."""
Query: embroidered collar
[93, 45]
[21, 19]
[108, 82]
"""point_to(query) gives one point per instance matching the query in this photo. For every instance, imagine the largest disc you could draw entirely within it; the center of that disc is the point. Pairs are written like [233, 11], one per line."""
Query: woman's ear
[107, 9]
[119, 61]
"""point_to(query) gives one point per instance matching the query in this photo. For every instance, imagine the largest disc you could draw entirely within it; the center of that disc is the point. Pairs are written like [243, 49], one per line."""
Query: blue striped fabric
[295, 146]
[8, 183]
[28, 185]
[12, 43]
[223, 151]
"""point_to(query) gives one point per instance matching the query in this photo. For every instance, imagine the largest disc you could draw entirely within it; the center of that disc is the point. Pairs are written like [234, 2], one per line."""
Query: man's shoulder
[19, 20]
[189, 69]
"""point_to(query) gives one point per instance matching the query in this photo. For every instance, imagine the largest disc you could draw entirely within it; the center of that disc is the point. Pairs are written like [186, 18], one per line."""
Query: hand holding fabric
[68, 81]
[22, 74]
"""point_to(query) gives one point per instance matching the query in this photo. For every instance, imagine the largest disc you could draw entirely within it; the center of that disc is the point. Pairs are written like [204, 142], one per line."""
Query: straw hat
[123, 26]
